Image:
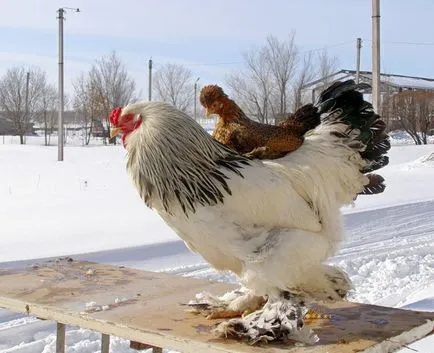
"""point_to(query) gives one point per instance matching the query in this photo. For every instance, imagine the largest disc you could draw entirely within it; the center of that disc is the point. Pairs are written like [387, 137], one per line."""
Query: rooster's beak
[114, 131]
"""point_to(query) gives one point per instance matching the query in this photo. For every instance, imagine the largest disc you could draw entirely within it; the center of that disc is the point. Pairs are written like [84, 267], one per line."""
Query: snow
[67, 203]
[87, 207]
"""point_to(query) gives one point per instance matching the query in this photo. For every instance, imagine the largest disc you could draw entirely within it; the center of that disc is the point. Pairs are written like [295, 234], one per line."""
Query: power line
[217, 64]
[157, 65]
[242, 62]
[404, 43]
[328, 47]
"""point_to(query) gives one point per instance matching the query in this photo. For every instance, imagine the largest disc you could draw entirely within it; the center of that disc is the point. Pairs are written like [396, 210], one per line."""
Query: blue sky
[209, 36]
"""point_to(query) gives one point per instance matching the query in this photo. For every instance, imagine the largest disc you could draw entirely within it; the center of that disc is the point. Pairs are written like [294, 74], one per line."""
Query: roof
[396, 81]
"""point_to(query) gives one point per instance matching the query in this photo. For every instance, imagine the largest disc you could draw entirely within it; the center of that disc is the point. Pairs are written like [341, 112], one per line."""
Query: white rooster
[271, 223]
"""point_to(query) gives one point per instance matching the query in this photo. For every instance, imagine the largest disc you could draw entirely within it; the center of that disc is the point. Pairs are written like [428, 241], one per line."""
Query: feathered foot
[281, 319]
[233, 304]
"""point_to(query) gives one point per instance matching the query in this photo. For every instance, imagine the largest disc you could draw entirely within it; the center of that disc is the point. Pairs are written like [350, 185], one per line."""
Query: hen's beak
[208, 113]
[114, 131]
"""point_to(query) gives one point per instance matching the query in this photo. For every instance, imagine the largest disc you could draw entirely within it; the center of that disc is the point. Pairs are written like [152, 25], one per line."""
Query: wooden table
[146, 307]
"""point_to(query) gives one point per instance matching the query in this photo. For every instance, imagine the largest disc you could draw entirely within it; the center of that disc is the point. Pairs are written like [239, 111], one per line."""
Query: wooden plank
[139, 346]
[145, 307]
[105, 343]
[143, 346]
[60, 338]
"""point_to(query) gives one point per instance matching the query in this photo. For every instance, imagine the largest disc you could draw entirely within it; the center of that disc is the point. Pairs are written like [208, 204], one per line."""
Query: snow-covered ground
[87, 207]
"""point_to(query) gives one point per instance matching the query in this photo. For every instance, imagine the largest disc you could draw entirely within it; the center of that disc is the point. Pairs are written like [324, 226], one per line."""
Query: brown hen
[251, 138]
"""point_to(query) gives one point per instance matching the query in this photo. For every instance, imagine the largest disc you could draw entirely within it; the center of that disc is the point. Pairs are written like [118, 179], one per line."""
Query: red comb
[114, 116]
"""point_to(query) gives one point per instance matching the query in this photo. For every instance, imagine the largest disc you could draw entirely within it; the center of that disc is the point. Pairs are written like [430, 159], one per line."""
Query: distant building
[71, 119]
[98, 129]
[7, 126]
[389, 83]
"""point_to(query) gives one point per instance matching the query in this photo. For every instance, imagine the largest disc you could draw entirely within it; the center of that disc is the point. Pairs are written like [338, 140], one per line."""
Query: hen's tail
[304, 119]
[340, 95]
[343, 102]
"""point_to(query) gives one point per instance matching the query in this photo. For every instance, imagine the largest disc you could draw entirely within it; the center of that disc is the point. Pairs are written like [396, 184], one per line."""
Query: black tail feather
[343, 102]
[376, 164]
[375, 186]
[341, 94]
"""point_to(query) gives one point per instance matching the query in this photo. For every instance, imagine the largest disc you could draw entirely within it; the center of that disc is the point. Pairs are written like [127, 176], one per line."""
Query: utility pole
[61, 12]
[150, 80]
[61, 103]
[26, 108]
[376, 55]
[359, 46]
[195, 97]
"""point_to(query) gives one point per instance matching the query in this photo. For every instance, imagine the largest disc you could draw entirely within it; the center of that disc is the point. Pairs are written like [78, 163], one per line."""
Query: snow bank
[83, 204]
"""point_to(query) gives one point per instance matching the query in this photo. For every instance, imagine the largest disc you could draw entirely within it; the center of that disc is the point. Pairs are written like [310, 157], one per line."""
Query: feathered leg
[281, 319]
[232, 304]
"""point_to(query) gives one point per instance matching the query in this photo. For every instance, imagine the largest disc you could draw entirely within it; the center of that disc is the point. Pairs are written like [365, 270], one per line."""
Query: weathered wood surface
[145, 307]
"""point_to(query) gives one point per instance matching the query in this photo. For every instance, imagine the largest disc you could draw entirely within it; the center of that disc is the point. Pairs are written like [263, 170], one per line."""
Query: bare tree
[252, 88]
[174, 84]
[387, 90]
[109, 86]
[414, 112]
[305, 74]
[327, 65]
[21, 92]
[47, 111]
[86, 105]
[263, 88]
[271, 85]
[282, 57]
[425, 114]
[81, 106]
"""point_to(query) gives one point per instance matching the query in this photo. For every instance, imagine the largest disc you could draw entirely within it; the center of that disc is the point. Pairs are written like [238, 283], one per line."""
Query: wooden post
[105, 343]
[60, 338]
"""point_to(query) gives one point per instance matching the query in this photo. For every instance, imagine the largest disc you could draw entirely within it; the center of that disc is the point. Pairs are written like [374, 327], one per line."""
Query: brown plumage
[235, 130]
